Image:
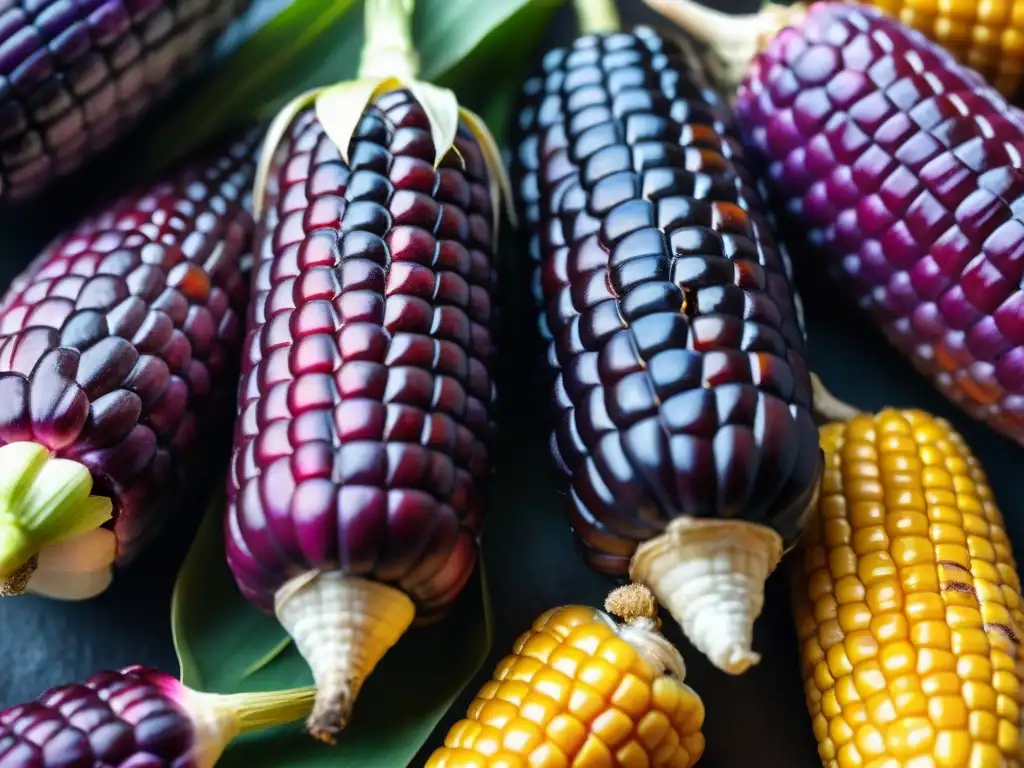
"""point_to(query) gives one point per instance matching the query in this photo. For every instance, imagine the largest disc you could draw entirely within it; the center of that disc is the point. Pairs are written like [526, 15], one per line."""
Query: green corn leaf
[312, 43]
[226, 645]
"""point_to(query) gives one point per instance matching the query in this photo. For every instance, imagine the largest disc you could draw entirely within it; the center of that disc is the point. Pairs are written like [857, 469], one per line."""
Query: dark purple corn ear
[365, 403]
[119, 339]
[903, 168]
[76, 74]
[682, 394]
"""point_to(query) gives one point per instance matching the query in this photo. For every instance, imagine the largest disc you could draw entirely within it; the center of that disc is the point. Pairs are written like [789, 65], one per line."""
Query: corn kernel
[851, 617]
[552, 684]
[839, 731]
[497, 713]
[974, 667]
[909, 736]
[939, 683]
[618, 653]
[887, 627]
[983, 726]
[969, 641]
[652, 729]
[521, 736]
[1009, 738]
[920, 578]
[1008, 708]
[632, 755]
[948, 712]
[910, 704]
[845, 691]
[567, 733]
[984, 755]
[897, 658]
[860, 646]
[952, 748]
[925, 606]
[538, 709]
[539, 647]
[869, 741]
[868, 678]
[931, 634]
[875, 567]
[839, 663]
[595, 753]
[881, 708]
[667, 747]
[567, 660]
[979, 696]
[585, 703]
[547, 755]
[599, 675]
[633, 696]
[589, 638]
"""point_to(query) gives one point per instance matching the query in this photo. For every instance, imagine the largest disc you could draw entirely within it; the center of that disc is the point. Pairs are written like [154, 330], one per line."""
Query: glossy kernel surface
[366, 398]
[124, 719]
[675, 341]
[77, 74]
[573, 693]
[125, 330]
[903, 169]
[908, 603]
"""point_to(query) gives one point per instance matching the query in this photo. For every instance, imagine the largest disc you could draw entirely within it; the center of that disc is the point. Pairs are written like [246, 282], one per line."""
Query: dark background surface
[756, 719]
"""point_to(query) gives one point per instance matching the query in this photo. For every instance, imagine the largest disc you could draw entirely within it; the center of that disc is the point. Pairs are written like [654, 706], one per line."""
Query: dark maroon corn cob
[903, 168]
[135, 718]
[681, 382]
[682, 392]
[76, 74]
[123, 334]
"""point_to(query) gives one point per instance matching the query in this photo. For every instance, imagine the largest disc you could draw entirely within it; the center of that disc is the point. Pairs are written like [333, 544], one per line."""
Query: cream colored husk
[76, 569]
[216, 725]
[342, 626]
[710, 575]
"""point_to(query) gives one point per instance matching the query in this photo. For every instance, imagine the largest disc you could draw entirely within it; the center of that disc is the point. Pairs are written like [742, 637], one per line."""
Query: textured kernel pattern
[904, 169]
[75, 74]
[908, 604]
[365, 404]
[120, 334]
[681, 386]
[119, 719]
[573, 693]
[986, 36]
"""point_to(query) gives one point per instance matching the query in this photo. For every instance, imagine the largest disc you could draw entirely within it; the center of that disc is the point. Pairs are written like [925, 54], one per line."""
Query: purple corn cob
[117, 340]
[365, 402]
[904, 169]
[135, 718]
[682, 393]
[76, 74]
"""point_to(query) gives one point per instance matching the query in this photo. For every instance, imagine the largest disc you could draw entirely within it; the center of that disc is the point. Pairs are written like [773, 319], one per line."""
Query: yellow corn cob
[986, 35]
[580, 690]
[908, 602]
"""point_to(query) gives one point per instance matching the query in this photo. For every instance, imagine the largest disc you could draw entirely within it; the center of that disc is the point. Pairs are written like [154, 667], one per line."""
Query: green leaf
[226, 645]
[312, 44]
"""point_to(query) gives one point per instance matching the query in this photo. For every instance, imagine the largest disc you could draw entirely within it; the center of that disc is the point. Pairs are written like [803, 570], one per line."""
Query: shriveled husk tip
[710, 575]
[733, 40]
[43, 501]
[827, 406]
[342, 625]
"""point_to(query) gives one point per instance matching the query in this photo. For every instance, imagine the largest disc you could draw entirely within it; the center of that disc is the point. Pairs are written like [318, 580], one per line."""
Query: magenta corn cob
[903, 168]
[114, 345]
[76, 74]
[356, 491]
[682, 393]
[136, 718]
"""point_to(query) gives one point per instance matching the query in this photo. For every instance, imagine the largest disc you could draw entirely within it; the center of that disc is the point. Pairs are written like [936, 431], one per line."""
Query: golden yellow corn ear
[908, 603]
[584, 691]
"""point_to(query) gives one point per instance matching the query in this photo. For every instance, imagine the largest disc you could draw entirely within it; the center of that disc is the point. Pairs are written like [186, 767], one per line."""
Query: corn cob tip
[733, 40]
[342, 626]
[631, 602]
[710, 575]
[14, 583]
[828, 406]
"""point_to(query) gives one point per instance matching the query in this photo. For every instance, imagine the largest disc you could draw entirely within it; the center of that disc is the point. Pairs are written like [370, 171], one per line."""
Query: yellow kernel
[842, 564]
[936, 477]
[666, 694]
[851, 617]
[652, 729]
[524, 669]
[552, 684]
[952, 748]
[830, 706]
[950, 515]
[953, 553]
[488, 741]
[600, 675]
[988, 571]
[830, 633]
[819, 584]
[836, 533]
[860, 646]
[838, 661]
[588, 638]
[505, 665]
[947, 712]
[1006, 682]
[1009, 738]
[960, 616]
[505, 760]
[633, 696]
[462, 733]
[613, 726]
[981, 548]
[904, 500]
[521, 736]
[497, 713]
[933, 660]
[905, 463]
[906, 523]
[584, 703]
[839, 730]
[906, 684]
[513, 691]
[978, 695]
[975, 524]
[539, 647]
[865, 490]
[846, 691]
[925, 606]
[939, 683]
[667, 747]
[919, 578]
[618, 653]
[910, 704]
[909, 736]
[538, 709]
[974, 667]
[848, 755]
[870, 539]
[874, 567]
[1008, 708]
[969, 641]
[881, 708]
[984, 756]
[869, 741]
[632, 755]
[983, 725]
[567, 660]
[864, 514]
[885, 596]
[994, 613]
[594, 753]
[944, 533]
[912, 550]
[819, 725]
[567, 732]
[889, 626]
[868, 678]
[822, 677]
[931, 634]
[547, 755]
[897, 658]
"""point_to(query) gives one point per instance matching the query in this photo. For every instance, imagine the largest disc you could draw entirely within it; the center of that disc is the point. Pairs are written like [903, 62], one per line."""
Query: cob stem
[597, 16]
[710, 574]
[733, 40]
[342, 625]
[827, 405]
[389, 51]
[43, 501]
[638, 608]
